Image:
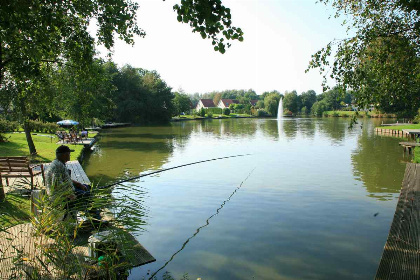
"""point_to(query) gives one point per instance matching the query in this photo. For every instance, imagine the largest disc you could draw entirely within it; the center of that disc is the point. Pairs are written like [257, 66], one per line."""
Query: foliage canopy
[381, 61]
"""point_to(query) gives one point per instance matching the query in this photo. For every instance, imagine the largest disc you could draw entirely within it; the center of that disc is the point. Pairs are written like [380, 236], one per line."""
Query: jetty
[392, 132]
[401, 256]
[20, 248]
[114, 125]
[409, 146]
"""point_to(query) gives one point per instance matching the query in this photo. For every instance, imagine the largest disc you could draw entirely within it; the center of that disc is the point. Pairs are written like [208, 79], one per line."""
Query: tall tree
[85, 95]
[181, 103]
[308, 99]
[271, 103]
[37, 33]
[34, 33]
[141, 96]
[381, 62]
[217, 98]
[291, 102]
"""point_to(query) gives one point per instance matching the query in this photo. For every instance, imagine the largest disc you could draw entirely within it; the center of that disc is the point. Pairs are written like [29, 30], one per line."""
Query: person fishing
[60, 185]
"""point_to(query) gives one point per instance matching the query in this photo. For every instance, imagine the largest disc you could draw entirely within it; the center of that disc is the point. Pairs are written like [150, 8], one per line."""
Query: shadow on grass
[14, 210]
[13, 148]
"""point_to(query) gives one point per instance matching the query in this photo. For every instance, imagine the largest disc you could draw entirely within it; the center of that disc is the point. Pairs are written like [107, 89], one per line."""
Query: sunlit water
[306, 211]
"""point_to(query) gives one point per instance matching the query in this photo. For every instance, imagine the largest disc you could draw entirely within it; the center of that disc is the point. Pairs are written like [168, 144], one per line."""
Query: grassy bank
[401, 127]
[361, 114]
[416, 155]
[14, 210]
[45, 145]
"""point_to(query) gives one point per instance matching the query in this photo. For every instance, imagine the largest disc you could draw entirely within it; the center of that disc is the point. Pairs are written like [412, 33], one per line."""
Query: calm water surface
[305, 209]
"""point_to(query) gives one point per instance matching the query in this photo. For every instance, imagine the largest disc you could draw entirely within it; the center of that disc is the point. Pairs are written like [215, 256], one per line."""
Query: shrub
[226, 111]
[214, 110]
[335, 114]
[202, 112]
[8, 126]
[288, 113]
[261, 113]
[210, 114]
[39, 126]
[345, 115]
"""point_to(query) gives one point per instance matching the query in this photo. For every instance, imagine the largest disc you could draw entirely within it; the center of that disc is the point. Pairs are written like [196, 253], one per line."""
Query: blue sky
[280, 37]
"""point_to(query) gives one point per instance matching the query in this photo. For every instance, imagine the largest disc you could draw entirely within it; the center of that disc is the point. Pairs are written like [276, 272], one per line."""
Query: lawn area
[341, 113]
[416, 155]
[14, 210]
[401, 127]
[45, 145]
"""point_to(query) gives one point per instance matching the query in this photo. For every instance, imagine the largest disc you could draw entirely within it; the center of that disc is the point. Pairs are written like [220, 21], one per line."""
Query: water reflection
[379, 163]
[303, 213]
[125, 152]
[197, 231]
[277, 129]
[334, 128]
[226, 127]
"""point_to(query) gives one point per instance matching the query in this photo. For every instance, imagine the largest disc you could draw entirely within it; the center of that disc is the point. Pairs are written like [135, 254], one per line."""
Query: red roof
[207, 102]
[227, 102]
[253, 102]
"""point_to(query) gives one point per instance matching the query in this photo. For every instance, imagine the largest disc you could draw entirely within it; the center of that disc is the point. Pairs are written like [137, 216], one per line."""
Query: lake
[313, 200]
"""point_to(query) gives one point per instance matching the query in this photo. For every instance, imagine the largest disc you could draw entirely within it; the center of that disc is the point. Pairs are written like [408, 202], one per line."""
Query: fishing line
[203, 226]
[166, 169]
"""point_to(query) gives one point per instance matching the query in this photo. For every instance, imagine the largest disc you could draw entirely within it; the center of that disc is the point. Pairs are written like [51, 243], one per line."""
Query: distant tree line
[306, 103]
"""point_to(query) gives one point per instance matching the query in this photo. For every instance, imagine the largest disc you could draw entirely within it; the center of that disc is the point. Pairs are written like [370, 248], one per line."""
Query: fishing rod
[166, 169]
[197, 231]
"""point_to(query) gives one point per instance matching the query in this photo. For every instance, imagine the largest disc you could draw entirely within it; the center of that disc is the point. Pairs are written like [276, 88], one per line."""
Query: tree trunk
[31, 144]
[2, 195]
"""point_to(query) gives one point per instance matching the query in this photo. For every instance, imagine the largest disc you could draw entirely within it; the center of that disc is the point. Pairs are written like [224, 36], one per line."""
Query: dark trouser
[83, 201]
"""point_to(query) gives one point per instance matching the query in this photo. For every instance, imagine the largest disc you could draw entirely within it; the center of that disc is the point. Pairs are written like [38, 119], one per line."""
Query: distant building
[204, 103]
[225, 103]
[253, 102]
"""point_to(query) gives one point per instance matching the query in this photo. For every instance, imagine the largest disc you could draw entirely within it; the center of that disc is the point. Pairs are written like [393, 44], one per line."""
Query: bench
[17, 167]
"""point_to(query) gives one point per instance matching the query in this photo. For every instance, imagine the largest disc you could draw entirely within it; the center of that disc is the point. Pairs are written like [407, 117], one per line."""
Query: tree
[85, 95]
[308, 99]
[319, 107]
[37, 33]
[381, 62]
[217, 98]
[209, 18]
[181, 103]
[141, 96]
[271, 103]
[291, 102]
[333, 98]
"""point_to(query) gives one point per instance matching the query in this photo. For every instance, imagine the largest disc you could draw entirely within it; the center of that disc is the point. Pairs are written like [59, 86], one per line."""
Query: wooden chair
[17, 167]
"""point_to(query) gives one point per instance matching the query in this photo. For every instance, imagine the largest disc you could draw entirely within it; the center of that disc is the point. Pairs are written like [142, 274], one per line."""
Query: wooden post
[2, 195]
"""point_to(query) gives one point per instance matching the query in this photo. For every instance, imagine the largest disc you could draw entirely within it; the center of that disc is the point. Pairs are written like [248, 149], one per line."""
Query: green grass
[14, 210]
[401, 127]
[16, 145]
[341, 113]
[416, 155]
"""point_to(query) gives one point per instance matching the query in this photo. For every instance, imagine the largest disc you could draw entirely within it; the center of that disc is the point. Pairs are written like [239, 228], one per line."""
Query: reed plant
[54, 244]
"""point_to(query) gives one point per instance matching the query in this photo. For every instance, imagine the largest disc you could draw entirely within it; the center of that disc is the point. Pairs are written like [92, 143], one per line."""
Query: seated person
[59, 182]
